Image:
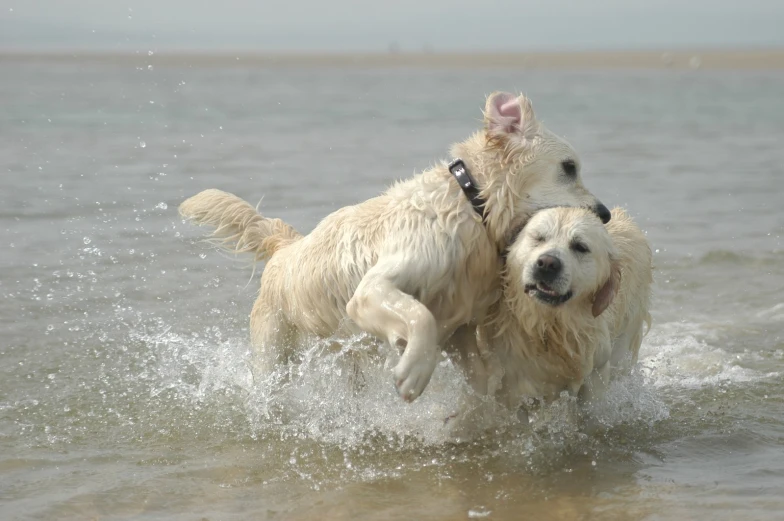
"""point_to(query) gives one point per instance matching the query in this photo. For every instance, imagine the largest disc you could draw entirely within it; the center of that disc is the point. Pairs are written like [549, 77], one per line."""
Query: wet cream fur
[412, 266]
[578, 346]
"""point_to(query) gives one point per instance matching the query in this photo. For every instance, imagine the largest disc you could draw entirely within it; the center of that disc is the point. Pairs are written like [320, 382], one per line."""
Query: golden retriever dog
[415, 266]
[576, 296]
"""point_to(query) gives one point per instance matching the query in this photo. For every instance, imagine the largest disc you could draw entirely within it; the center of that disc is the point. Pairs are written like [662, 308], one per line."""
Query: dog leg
[493, 368]
[595, 385]
[272, 338]
[383, 310]
[463, 344]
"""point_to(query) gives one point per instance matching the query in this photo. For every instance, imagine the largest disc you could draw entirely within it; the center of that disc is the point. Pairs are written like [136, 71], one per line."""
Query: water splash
[339, 393]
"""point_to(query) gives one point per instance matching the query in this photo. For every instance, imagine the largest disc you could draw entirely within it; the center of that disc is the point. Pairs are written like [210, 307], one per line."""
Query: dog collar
[467, 183]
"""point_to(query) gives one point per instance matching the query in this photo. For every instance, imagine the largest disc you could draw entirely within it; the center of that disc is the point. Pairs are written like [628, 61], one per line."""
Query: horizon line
[677, 58]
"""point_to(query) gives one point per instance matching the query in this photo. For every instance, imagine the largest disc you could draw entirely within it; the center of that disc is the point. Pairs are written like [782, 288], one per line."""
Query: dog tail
[239, 228]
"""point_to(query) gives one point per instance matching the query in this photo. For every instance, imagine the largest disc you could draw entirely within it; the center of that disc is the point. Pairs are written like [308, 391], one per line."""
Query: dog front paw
[413, 372]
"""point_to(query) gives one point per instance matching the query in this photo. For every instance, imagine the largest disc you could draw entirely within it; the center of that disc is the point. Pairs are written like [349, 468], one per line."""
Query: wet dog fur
[415, 266]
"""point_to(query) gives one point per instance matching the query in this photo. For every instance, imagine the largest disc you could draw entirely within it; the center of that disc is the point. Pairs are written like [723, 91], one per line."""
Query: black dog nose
[547, 267]
[602, 212]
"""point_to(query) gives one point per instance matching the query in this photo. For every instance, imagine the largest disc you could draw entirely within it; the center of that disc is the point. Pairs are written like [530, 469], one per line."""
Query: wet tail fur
[239, 227]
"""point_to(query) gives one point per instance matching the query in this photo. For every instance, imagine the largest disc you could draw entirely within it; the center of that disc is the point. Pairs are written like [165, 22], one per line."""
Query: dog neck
[484, 162]
[468, 185]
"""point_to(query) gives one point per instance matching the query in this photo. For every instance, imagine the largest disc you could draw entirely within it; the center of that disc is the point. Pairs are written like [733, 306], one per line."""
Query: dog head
[523, 166]
[563, 256]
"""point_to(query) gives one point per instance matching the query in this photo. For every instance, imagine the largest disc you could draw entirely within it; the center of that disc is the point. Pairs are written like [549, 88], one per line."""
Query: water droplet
[142, 144]
[593, 463]
[149, 67]
[202, 255]
[150, 53]
[50, 327]
[162, 206]
[87, 240]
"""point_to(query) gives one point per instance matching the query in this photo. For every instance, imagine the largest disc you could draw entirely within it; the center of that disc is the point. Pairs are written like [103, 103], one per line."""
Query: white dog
[576, 295]
[414, 265]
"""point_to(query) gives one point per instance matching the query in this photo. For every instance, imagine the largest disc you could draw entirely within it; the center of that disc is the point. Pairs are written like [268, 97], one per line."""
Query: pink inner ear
[507, 114]
[510, 109]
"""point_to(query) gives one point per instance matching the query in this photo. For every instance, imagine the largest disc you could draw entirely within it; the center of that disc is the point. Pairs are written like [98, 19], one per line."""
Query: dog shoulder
[631, 242]
[636, 258]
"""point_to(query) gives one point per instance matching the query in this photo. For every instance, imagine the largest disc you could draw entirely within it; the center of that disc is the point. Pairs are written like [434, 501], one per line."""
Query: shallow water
[124, 383]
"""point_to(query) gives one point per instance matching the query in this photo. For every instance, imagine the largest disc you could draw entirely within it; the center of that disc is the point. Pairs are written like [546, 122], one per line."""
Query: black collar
[467, 183]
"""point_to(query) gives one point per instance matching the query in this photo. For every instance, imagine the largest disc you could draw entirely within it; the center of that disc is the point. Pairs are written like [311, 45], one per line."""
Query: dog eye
[538, 239]
[569, 167]
[580, 247]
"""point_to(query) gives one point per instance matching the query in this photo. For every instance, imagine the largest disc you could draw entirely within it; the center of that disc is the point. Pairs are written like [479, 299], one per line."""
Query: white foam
[773, 314]
[683, 355]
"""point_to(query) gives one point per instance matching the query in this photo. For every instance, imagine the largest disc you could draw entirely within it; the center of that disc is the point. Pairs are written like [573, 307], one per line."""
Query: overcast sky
[353, 25]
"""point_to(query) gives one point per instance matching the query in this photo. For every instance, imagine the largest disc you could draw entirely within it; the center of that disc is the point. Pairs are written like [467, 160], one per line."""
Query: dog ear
[606, 294]
[507, 114]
